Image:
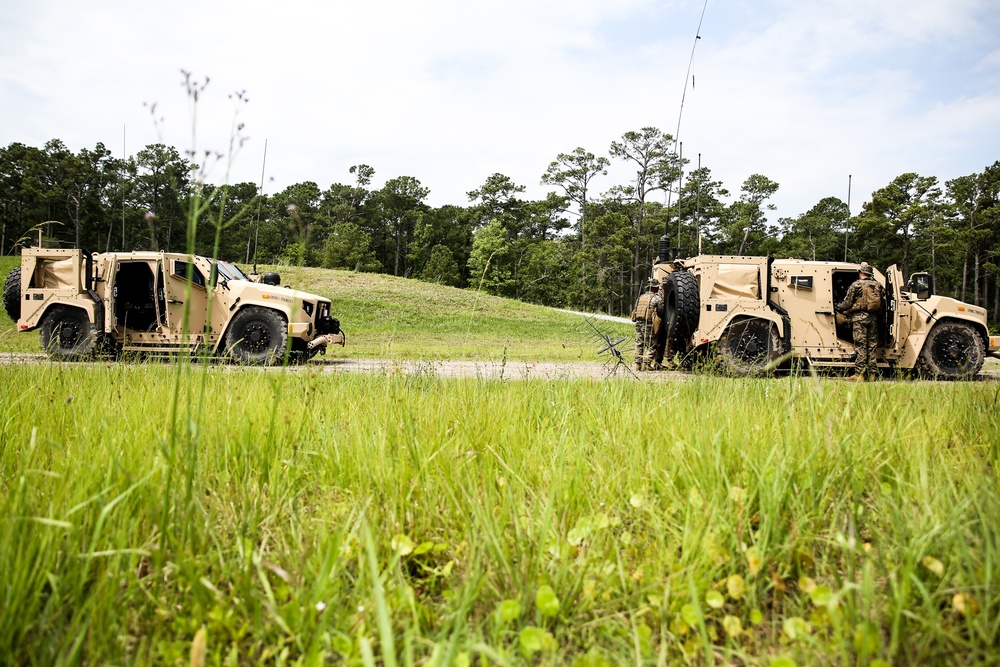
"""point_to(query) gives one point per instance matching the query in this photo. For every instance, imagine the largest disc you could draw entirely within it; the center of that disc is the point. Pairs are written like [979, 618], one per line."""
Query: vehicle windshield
[228, 271]
[235, 271]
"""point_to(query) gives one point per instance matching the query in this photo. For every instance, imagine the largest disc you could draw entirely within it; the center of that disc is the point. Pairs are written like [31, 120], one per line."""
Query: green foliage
[491, 260]
[441, 267]
[561, 249]
[348, 247]
[817, 234]
[888, 222]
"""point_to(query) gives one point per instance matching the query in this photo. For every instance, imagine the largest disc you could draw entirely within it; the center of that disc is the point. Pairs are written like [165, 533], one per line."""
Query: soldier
[656, 339]
[862, 304]
[642, 316]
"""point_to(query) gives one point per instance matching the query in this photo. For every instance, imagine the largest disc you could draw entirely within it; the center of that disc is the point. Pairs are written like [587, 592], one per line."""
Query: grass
[265, 517]
[398, 318]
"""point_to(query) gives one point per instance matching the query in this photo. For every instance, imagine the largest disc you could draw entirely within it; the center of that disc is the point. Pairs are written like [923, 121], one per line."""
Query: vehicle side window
[181, 269]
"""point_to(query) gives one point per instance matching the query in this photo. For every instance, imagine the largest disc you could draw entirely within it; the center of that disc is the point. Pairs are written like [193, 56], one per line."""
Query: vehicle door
[896, 317]
[184, 294]
[136, 301]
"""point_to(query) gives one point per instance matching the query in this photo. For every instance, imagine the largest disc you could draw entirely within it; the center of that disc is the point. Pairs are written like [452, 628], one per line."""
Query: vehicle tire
[257, 336]
[12, 294]
[747, 346]
[681, 308]
[67, 333]
[952, 351]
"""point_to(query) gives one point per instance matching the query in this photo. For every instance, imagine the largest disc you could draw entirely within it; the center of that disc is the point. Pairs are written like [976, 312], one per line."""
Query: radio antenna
[847, 223]
[260, 198]
[680, 114]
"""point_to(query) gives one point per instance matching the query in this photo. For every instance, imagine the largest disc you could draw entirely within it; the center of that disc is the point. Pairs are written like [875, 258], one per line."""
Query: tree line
[577, 248]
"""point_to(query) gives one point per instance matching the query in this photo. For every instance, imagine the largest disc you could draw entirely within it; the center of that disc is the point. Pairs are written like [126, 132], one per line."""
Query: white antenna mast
[680, 115]
[260, 199]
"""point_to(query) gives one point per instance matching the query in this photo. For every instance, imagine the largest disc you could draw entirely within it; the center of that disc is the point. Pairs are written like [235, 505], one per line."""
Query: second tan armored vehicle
[755, 313]
[160, 302]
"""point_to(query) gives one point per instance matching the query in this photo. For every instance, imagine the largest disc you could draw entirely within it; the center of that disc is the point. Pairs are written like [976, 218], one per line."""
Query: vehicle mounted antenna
[680, 114]
[697, 209]
[260, 198]
[848, 221]
[680, 186]
[124, 157]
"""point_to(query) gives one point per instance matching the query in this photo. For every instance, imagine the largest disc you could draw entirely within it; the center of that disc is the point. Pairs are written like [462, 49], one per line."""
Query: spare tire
[12, 294]
[681, 308]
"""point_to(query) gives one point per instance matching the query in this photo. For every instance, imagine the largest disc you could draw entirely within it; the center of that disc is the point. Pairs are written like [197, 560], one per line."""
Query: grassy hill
[384, 316]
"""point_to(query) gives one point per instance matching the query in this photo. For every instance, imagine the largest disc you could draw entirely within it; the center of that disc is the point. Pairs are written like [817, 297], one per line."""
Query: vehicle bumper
[993, 346]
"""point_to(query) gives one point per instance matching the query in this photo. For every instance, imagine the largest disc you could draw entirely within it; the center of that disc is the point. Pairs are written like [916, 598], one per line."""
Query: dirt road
[487, 370]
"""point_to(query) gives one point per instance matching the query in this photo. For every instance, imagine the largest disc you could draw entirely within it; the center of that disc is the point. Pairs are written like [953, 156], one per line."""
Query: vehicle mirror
[921, 284]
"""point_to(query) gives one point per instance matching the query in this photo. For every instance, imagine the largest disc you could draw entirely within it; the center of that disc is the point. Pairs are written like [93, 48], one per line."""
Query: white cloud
[450, 92]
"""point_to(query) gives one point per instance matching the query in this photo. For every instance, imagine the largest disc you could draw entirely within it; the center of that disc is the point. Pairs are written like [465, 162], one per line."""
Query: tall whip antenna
[680, 114]
[124, 157]
[260, 199]
[847, 223]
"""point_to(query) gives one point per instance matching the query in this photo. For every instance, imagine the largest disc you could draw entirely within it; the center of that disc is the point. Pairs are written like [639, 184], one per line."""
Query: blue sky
[450, 92]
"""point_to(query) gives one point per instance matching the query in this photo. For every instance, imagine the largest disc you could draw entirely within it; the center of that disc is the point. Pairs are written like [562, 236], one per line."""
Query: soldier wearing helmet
[643, 315]
[862, 305]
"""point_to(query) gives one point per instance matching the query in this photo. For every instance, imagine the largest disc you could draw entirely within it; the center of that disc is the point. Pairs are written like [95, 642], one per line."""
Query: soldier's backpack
[870, 300]
[641, 311]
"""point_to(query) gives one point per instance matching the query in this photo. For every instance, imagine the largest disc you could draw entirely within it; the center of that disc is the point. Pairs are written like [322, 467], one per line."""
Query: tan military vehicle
[160, 302]
[755, 313]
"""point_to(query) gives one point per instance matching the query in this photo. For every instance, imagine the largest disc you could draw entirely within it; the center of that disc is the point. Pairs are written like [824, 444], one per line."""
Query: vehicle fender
[35, 319]
[915, 341]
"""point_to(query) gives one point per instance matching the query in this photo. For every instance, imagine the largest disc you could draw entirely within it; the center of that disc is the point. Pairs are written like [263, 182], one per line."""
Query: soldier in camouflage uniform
[654, 342]
[642, 316]
[862, 304]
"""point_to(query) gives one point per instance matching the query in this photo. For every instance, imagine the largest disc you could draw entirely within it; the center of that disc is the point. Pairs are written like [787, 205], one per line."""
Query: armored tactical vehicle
[756, 313]
[161, 302]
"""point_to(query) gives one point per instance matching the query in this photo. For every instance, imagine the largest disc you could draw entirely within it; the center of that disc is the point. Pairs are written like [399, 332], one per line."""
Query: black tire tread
[735, 365]
[682, 307]
[82, 349]
[12, 294]
[929, 367]
[278, 332]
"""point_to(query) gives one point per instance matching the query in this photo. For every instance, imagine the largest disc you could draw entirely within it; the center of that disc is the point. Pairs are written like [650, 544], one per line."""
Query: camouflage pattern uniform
[642, 317]
[862, 304]
[654, 344]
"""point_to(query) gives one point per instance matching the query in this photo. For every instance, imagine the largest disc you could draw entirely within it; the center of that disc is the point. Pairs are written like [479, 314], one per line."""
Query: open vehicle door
[897, 323]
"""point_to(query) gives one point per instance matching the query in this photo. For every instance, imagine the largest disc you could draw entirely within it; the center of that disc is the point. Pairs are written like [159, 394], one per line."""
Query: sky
[814, 94]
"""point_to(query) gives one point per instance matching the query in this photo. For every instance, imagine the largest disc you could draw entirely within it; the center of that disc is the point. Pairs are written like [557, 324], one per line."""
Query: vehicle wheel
[67, 333]
[748, 346]
[952, 351]
[681, 308]
[12, 294]
[257, 336]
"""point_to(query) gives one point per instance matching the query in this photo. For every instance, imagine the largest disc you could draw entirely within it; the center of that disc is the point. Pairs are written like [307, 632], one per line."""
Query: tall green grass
[308, 518]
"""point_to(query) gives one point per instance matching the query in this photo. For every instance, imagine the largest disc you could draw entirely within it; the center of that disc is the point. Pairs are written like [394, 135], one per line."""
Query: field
[157, 513]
